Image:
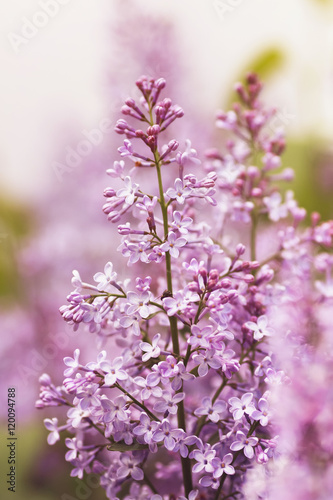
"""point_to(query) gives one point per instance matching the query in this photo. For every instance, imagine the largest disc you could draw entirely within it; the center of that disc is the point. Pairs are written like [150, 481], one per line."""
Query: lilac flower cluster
[190, 396]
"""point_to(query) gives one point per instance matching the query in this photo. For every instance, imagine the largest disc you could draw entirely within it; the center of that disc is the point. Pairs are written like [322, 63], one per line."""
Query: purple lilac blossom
[201, 375]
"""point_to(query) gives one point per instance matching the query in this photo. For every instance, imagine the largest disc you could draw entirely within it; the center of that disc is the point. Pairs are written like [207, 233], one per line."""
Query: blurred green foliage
[41, 470]
[14, 226]
[264, 65]
[313, 183]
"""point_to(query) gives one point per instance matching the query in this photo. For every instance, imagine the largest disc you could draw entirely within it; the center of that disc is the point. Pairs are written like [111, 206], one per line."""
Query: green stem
[186, 464]
[188, 354]
[172, 319]
[220, 389]
[253, 236]
[97, 428]
[138, 403]
[199, 307]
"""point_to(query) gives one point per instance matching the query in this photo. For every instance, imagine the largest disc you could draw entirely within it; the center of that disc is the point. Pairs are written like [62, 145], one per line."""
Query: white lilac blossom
[139, 303]
[151, 350]
[200, 380]
[260, 329]
[72, 363]
[224, 466]
[263, 413]
[239, 407]
[179, 192]
[168, 403]
[51, 425]
[212, 410]
[106, 278]
[181, 222]
[244, 443]
[113, 371]
[173, 244]
[129, 466]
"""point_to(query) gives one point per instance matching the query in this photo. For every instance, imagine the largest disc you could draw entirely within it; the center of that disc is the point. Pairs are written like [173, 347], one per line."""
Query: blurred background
[66, 68]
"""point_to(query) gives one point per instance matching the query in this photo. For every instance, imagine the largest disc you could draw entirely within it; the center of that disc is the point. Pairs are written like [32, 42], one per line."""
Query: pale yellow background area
[56, 77]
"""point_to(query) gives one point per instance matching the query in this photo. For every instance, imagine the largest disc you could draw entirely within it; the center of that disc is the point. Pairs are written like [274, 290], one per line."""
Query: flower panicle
[197, 377]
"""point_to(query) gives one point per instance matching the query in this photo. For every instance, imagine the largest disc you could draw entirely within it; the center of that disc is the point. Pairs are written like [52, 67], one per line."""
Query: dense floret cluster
[187, 385]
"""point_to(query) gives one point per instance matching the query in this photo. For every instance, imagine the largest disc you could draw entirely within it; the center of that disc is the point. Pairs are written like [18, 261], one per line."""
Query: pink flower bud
[109, 192]
[256, 192]
[226, 283]
[214, 274]
[253, 172]
[160, 83]
[240, 249]
[45, 380]
[193, 287]
[315, 218]
[140, 134]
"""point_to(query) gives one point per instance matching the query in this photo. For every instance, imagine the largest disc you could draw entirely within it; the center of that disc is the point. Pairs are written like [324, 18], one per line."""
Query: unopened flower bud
[224, 299]
[109, 192]
[315, 218]
[130, 102]
[226, 283]
[45, 380]
[240, 249]
[254, 264]
[153, 130]
[173, 145]
[214, 274]
[78, 316]
[239, 88]
[299, 214]
[213, 154]
[140, 134]
[160, 83]
[211, 284]
[166, 103]
[256, 192]
[193, 287]
[124, 229]
[113, 216]
[287, 174]
[180, 112]
[253, 172]
[151, 224]
[261, 457]
[203, 274]
[126, 110]
[151, 141]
